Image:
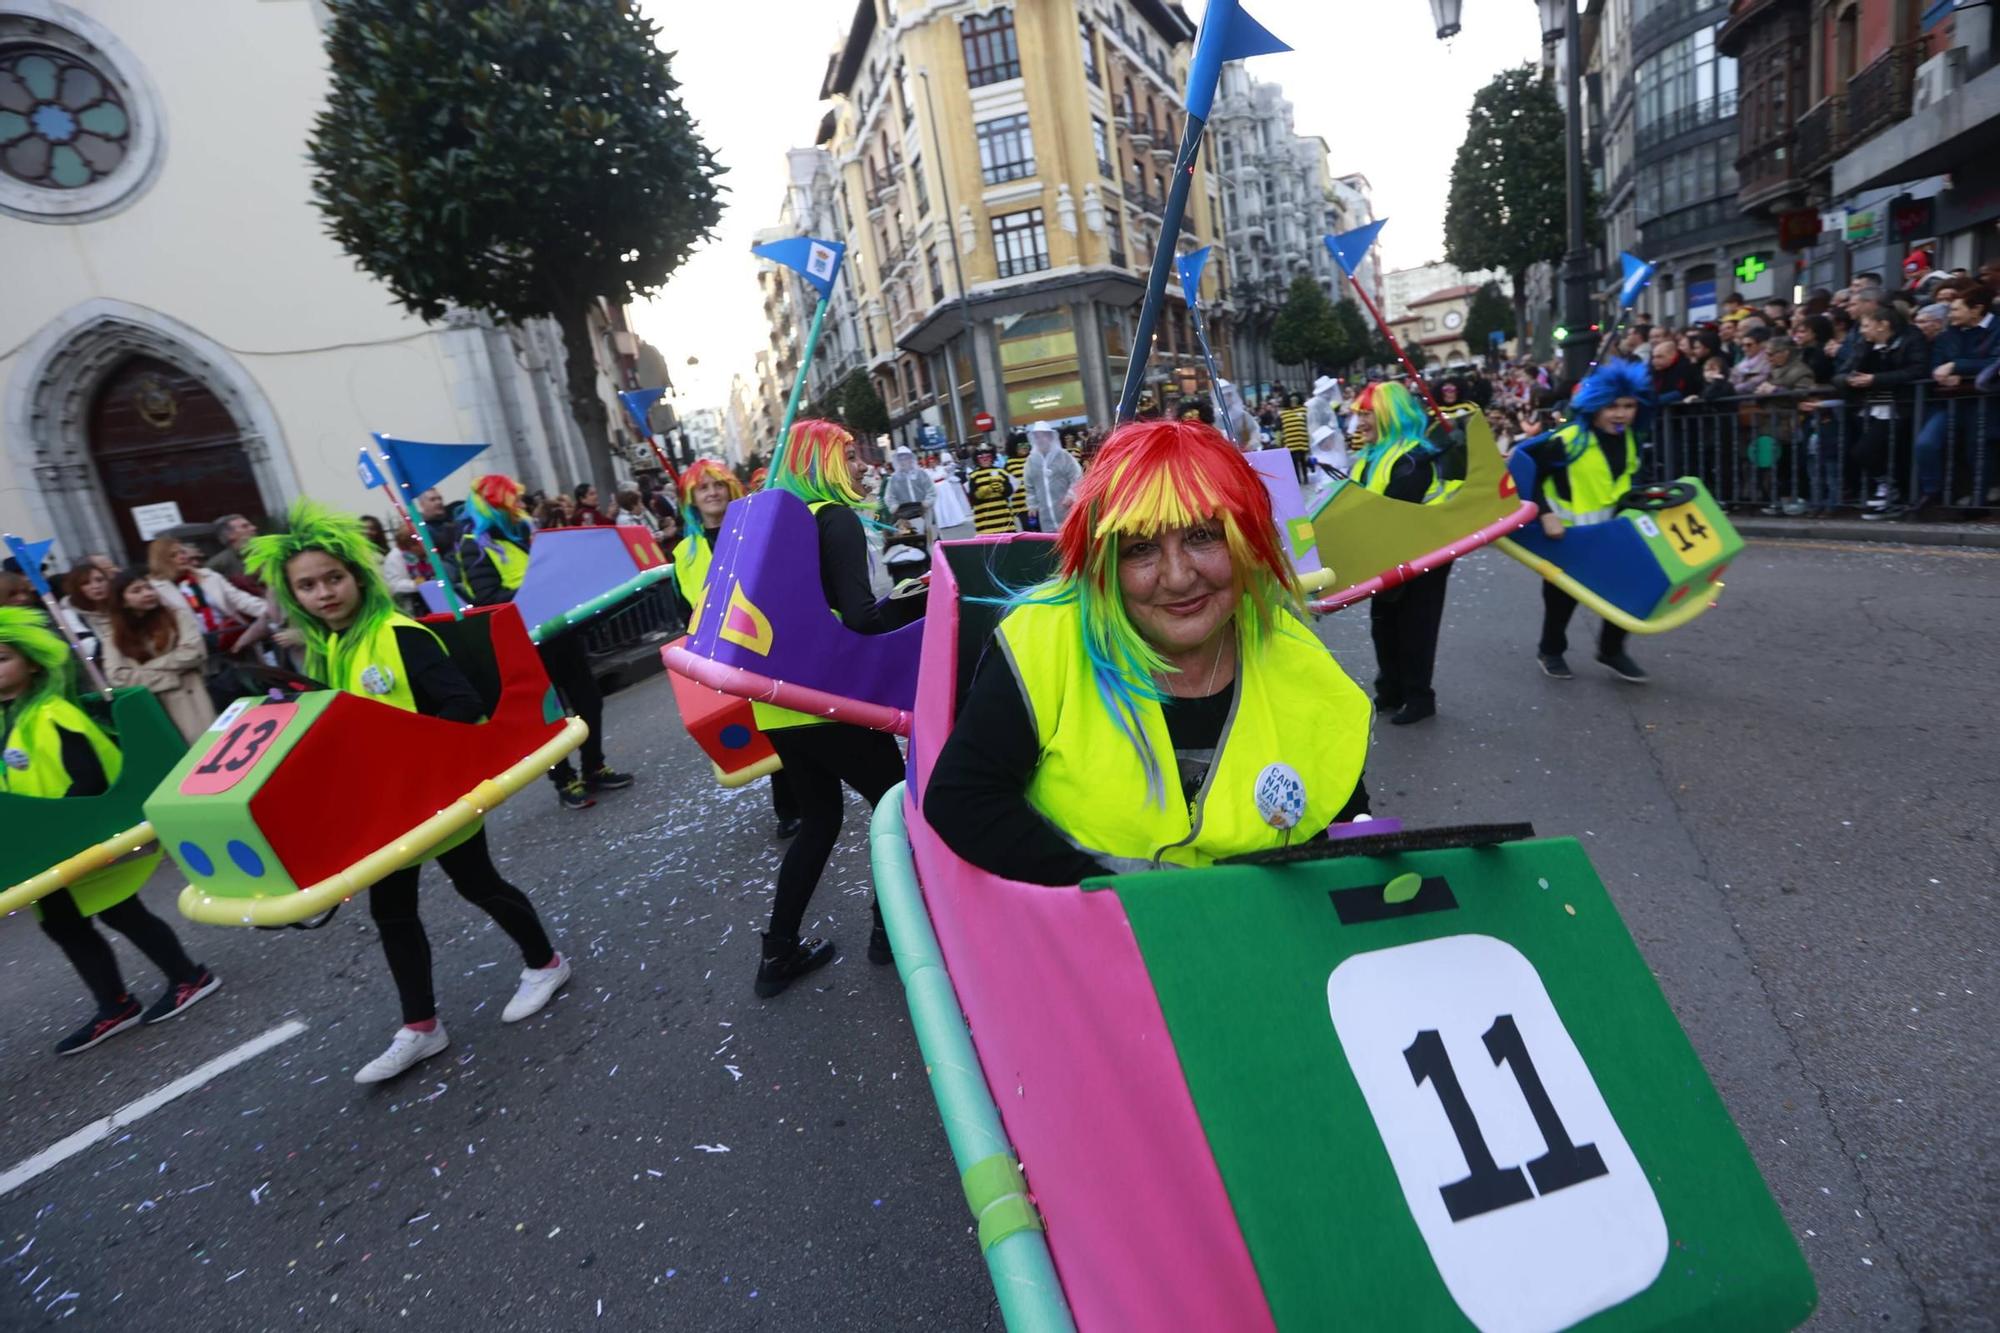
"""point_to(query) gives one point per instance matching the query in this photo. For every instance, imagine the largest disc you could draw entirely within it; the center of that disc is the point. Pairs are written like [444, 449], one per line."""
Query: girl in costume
[1400, 463]
[992, 493]
[493, 557]
[155, 641]
[819, 465]
[1581, 469]
[1160, 697]
[952, 509]
[324, 576]
[52, 748]
[707, 487]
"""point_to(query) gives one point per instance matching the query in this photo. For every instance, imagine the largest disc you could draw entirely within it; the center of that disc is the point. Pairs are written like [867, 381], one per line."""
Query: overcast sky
[1368, 77]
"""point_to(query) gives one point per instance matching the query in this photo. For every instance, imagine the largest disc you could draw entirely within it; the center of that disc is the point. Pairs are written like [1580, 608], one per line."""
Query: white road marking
[99, 1130]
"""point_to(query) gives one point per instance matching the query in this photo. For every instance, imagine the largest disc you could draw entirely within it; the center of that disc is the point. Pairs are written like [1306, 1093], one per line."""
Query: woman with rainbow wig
[1159, 699]
[1581, 469]
[493, 556]
[53, 749]
[707, 488]
[1400, 461]
[327, 577]
[819, 463]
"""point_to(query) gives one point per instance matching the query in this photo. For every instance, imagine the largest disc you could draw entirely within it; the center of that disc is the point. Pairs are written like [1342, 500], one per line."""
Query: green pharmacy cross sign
[1751, 266]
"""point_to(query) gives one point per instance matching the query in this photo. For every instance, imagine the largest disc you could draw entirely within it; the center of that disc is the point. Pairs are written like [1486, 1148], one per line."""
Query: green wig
[314, 527]
[27, 632]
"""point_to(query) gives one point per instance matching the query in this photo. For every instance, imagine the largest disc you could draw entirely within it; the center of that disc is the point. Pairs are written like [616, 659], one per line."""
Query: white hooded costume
[1329, 446]
[1050, 475]
[952, 507]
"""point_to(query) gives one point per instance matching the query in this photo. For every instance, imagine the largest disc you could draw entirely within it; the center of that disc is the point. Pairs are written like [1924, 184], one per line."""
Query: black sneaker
[880, 952]
[789, 826]
[573, 796]
[1412, 712]
[1554, 666]
[179, 997]
[786, 960]
[607, 778]
[1622, 666]
[100, 1028]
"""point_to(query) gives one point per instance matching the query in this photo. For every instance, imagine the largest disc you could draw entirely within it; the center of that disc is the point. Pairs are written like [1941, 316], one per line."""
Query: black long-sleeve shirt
[977, 798]
[438, 686]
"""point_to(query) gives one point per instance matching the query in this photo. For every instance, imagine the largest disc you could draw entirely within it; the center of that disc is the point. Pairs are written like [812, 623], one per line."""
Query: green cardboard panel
[1690, 542]
[1444, 1090]
[202, 811]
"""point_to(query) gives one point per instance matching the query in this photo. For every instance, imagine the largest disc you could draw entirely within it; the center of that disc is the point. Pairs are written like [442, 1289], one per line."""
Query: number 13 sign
[1533, 1207]
[239, 745]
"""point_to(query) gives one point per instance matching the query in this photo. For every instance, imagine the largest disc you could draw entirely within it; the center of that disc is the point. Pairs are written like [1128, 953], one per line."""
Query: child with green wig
[53, 749]
[324, 574]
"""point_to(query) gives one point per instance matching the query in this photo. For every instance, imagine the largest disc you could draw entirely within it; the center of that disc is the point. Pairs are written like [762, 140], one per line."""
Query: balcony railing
[1149, 203]
[1670, 17]
[1683, 119]
[1879, 96]
[1768, 168]
[1822, 135]
[1142, 130]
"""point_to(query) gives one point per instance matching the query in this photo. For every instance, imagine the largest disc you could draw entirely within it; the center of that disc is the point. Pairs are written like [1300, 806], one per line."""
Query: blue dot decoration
[196, 860]
[246, 858]
[735, 736]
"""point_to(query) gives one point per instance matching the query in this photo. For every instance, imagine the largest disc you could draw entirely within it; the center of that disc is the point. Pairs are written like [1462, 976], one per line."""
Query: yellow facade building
[1002, 172]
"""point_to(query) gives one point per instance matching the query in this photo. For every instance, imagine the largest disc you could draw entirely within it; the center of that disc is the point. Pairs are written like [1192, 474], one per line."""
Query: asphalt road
[1796, 820]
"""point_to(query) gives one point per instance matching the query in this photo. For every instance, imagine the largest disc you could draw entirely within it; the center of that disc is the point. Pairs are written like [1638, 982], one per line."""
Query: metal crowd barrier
[1816, 453]
[648, 619]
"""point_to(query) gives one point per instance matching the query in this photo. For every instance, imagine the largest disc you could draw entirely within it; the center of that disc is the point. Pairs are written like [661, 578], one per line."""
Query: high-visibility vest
[1297, 734]
[510, 562]
[31, 765]
[1593, 491]
[691, 560]
[1378, 466]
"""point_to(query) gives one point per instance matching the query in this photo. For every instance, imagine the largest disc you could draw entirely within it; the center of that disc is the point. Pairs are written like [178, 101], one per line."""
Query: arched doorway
[159, 434]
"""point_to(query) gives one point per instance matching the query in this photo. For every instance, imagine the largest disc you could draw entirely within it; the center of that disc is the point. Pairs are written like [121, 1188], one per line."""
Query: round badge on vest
[1281, 796]
[16, 759]
[378, 680]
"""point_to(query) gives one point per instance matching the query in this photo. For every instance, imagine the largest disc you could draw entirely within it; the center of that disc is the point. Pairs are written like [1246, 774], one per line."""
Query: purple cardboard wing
[766, 633]
[1274, 467]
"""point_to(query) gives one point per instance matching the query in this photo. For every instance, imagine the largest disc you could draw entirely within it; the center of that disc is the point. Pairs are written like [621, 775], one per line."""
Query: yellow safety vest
[33, 766]
[1297, 722]
[373, 667]
[510, 562]
[1593, 491]
[770, 717]
[691, 560]
[1377, 468]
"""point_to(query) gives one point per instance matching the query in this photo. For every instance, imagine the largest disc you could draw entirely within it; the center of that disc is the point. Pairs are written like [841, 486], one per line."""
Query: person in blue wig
[1581, 469]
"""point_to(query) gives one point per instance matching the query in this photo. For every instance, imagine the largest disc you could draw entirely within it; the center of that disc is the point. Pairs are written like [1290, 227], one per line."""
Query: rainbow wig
[703, 469]
[1398, 415]
[314, 527]
[493, 511]
[813, 465]
[1151, 476]
[27, 632]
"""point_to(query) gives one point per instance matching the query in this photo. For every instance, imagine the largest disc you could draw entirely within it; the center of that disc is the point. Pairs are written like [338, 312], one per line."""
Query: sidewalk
[1853, 529]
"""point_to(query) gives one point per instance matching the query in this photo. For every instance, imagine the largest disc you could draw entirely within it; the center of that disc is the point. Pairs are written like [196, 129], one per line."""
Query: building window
[990, 53]
[1685, 86]
[917, 185]
[1006, 149]
[78, 132]
[1089, 40]
[937, 275]
[1020, 242]
[903, 92]
[1101, 140]
[1114, 232]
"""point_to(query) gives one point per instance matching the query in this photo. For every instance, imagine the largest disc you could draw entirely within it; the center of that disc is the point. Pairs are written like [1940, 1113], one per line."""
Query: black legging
[1557, 607]
[569, 671]
[393, 904]
[1404, 623]
[90, 953]
[783, 804]
[817, 760]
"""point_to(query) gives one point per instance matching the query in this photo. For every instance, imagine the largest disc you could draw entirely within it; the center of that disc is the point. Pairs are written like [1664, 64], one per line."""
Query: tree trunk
[580, 368]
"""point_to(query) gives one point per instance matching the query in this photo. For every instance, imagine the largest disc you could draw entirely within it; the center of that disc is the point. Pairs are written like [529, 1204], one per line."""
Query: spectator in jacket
[1968, 345]
[232, 530]
[1894, 357]
[1750, 367]
[155, 641]
[1674, 376]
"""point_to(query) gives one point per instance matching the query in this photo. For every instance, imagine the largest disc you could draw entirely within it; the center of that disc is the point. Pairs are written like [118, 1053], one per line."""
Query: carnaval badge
[1281, 796]
[378, 680]
[16, 759]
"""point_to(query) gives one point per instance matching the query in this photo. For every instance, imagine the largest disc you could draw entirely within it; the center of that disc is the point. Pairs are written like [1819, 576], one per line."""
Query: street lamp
[1446, 14]
[1559, 22]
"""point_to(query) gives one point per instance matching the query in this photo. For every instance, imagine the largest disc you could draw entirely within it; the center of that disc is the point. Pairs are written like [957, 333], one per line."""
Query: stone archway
[57, 384]
[157, 433]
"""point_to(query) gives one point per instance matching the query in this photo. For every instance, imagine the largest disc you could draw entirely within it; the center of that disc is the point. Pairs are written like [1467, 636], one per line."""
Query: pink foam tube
[1423, 564]
[750, 685]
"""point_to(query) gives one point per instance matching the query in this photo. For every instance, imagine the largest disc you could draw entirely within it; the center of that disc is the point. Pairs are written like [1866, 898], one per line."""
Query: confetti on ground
[711, 1147]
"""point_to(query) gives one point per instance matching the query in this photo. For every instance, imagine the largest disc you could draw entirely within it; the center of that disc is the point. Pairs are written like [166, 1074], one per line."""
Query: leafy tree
[1508, 191]
[1305, 332]
[1380, 353]
[862, 408]
[522, 158]
[1354, 332]
[1489, 314]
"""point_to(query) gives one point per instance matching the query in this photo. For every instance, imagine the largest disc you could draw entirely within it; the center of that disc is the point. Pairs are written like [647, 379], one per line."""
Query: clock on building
[1452, 319]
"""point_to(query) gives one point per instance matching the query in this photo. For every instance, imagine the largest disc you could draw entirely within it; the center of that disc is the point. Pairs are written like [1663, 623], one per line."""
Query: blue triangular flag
[1227, 33]
[1189, 267]
[1351, 247]
[371, 475]
[1638, 272]
[639, 405]
[29, 556]
[817, 261]
[418, 467]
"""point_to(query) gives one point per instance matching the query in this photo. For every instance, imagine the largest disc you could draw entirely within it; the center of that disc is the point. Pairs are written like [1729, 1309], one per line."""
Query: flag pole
[799, 380]
[1423, 388]
[1214, 376]
[424, 535]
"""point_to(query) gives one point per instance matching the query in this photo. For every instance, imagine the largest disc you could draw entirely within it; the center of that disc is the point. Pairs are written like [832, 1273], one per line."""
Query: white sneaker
[538, 987]
[408, 1047]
